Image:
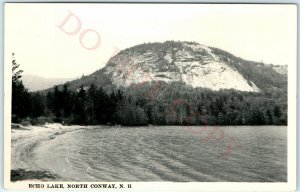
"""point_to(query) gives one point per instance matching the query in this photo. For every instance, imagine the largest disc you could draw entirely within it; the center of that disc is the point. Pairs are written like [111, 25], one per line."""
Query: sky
[69, 40]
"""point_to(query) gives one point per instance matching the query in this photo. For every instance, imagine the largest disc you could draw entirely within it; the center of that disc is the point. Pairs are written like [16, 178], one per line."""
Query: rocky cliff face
[196, 65]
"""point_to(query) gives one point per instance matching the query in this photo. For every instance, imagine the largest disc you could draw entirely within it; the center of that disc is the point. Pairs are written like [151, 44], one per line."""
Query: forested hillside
[171, 83]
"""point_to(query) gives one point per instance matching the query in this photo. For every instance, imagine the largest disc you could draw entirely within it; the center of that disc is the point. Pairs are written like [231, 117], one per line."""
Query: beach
[23, 140]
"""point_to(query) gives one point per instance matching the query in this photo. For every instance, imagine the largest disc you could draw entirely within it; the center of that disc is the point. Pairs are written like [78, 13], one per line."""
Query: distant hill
[37, 83]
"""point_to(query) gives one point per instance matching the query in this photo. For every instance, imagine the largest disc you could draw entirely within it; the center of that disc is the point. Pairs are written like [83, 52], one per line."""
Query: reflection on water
[168, 153]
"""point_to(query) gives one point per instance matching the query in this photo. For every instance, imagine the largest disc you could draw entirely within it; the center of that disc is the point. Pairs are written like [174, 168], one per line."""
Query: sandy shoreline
[23, 141]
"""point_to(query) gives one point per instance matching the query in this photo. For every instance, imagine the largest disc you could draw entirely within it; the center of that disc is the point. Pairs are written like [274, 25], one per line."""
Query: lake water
[168, 153]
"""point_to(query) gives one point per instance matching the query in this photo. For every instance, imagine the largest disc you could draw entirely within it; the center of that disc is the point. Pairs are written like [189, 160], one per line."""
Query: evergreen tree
[91, 104]
[37, 108]
[21, 100]
[67, 101]
[101, 105]
[80, 113]
[57, 104]
[269, 117]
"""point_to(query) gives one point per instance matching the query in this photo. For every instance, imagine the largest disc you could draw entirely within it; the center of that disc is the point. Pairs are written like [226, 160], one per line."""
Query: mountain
[173, 83]
[37, 83]
[188, 62]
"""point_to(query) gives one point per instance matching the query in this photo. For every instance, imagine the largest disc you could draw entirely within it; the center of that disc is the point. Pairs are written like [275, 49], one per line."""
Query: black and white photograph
[132, 96]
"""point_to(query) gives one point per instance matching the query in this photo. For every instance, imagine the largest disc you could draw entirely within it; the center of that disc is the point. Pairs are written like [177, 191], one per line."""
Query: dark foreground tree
[21, 99]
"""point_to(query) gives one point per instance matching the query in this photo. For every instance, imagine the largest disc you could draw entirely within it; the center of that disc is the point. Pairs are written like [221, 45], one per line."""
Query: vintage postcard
[146, 96]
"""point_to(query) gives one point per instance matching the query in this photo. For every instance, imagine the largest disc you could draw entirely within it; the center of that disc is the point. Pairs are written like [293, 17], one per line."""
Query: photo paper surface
[137, 96]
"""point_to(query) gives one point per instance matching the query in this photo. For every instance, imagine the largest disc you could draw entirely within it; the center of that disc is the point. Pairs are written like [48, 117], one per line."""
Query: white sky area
[254, 32]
